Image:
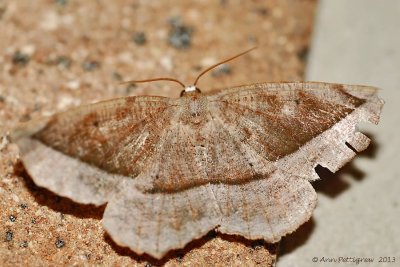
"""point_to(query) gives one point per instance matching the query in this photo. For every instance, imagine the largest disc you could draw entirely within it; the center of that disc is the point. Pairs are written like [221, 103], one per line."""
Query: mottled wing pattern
[116, 136]
[302, 124]
[92, 146]
[277, 119]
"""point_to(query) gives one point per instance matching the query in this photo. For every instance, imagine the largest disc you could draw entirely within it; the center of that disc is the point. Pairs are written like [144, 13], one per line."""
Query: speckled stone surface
[58, 54]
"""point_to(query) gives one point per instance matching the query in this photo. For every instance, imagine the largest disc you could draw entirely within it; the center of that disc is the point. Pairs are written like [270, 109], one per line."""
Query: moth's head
[190, 90]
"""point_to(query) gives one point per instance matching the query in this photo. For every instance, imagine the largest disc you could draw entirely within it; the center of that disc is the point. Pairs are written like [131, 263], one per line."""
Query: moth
[239, 160]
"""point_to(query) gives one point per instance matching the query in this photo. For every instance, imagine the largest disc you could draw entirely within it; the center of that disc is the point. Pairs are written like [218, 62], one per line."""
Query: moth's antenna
[198, 77]
[153, 80]
[220, 63]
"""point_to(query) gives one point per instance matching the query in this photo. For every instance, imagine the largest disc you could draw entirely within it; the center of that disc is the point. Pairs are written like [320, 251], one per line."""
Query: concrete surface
[358, 214]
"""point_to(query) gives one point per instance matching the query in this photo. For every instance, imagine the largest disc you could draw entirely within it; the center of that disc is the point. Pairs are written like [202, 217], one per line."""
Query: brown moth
[239, 160]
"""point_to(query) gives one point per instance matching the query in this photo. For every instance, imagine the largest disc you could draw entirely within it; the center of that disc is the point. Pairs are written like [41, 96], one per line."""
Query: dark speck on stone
[12, 218]
[61, 2]
[20, 58]
[60, 243]
[139, 38]
[24, 244]
[33, 221]
[9, 235]
[90, 65]
[262, 11]
[117, 76]
[24, 206]
[224, 69]
[180, 35]
[63, 62]
[2, 10]
[148, 265]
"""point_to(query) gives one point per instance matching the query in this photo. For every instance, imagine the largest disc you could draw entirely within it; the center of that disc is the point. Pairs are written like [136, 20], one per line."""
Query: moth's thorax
[194, 108]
